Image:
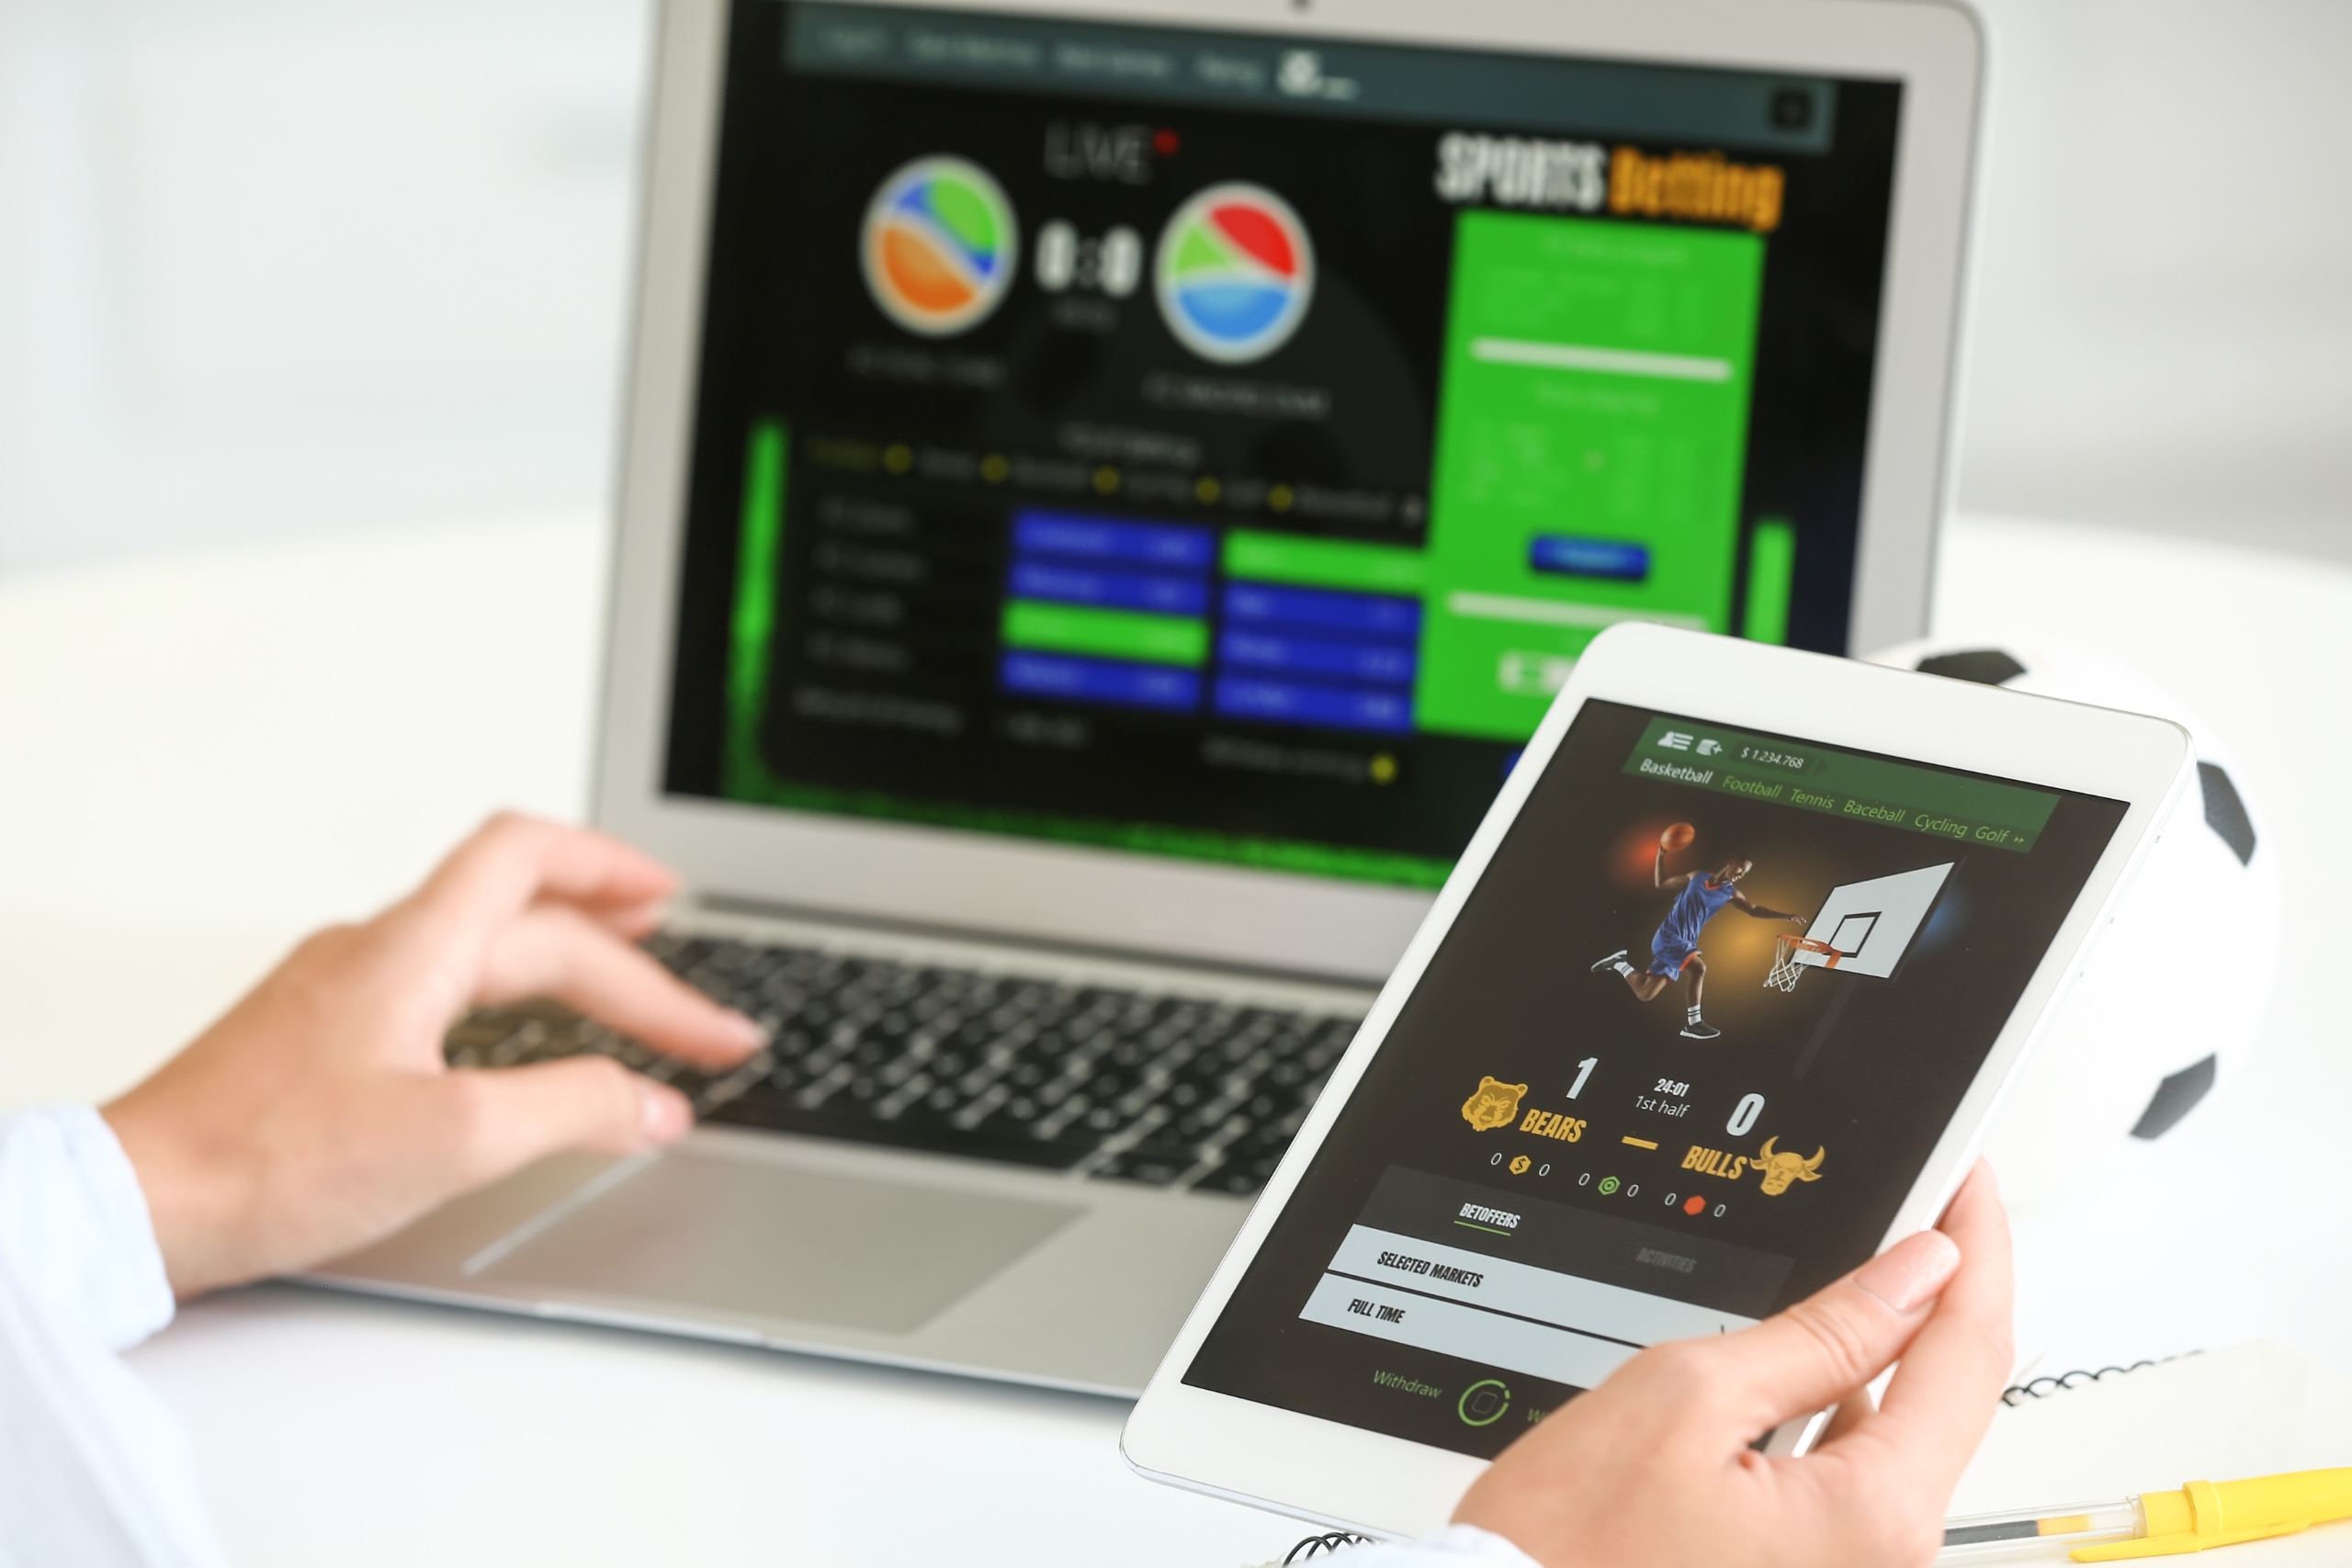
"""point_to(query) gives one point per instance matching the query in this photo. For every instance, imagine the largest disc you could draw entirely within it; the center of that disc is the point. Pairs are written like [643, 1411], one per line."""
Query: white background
[288, 267]
[269, 265]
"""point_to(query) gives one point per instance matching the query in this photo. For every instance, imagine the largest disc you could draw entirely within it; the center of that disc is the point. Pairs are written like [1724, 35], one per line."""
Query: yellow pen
[2157, 1524]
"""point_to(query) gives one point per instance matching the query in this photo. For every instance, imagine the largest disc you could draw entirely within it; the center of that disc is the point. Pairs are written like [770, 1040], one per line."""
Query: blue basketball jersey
[1700, 899]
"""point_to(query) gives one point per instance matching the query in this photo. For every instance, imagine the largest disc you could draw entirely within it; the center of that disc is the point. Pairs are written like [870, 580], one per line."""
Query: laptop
[1107, 490]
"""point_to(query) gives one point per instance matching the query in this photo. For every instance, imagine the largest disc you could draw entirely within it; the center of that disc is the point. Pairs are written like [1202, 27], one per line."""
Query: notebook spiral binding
[1317, 1545]
[2042, 1387]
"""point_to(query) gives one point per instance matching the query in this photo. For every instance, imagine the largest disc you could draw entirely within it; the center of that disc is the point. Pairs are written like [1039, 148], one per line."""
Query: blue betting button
[1113, 680]
[1163, 545]
[1566, 556]
[1374, 614]
[1067, 584]
[1332, 707]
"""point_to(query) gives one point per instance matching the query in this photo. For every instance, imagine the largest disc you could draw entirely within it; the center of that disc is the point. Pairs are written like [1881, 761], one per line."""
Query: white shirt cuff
[74, 1223]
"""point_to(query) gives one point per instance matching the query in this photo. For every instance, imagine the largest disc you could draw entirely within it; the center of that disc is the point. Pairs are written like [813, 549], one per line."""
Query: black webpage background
[1512, 995]
[800, 155]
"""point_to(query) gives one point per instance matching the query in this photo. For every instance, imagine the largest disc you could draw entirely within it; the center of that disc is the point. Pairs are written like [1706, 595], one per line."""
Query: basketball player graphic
[1674, 950]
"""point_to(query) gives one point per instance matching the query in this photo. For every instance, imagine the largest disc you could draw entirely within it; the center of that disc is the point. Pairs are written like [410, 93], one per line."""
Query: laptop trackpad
[750, 1238]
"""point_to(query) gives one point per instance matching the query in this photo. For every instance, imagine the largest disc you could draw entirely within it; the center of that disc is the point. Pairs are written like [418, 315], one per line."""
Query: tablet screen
[1679, 1059]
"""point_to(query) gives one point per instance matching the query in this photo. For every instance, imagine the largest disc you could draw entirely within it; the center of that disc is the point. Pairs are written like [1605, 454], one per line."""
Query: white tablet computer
[1716, 1006]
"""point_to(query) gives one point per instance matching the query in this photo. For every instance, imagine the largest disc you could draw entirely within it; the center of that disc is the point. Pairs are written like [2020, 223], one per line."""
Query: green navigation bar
[1111, 633]
[1954, 806]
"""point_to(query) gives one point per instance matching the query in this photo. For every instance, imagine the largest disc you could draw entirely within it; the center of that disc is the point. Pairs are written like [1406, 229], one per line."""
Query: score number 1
[1584, 1071]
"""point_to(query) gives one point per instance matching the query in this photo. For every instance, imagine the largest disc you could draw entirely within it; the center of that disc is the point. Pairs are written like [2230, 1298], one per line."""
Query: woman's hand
[1653, 1469]
[317, 1116]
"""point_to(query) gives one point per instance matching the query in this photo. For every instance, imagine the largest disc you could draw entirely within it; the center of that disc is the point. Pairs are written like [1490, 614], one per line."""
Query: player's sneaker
[1610, 962]
[1696, 1029]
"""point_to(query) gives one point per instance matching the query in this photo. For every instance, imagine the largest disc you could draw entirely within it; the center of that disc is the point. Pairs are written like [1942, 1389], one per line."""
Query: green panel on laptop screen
[1591, 429]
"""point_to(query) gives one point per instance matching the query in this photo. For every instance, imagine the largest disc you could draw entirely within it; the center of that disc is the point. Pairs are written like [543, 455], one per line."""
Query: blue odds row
[1118, 682]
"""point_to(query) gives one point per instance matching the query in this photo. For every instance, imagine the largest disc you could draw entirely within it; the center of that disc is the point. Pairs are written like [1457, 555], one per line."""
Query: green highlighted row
[1105, 634]
[1325, 563]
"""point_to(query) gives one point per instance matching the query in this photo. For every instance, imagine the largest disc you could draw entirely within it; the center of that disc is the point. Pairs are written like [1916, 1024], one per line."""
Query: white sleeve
[92, 1469]
[1454, 1546]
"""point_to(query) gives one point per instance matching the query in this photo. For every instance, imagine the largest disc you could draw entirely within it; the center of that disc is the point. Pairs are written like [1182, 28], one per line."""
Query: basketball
[1678, 837]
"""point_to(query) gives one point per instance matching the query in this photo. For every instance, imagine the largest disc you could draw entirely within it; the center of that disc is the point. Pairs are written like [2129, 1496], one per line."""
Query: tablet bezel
[1110, 899]
[1342, 1475]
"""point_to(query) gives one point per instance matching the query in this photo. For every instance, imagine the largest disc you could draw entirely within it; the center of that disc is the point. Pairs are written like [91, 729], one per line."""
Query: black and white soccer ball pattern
[2175, 991]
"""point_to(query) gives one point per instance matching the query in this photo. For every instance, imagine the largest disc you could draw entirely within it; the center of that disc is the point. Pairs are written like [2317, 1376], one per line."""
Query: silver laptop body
[1058, 626]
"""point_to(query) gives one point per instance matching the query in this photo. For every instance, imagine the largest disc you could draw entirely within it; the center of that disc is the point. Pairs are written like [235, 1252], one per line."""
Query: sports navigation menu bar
[1952, 807]
[1213, 70]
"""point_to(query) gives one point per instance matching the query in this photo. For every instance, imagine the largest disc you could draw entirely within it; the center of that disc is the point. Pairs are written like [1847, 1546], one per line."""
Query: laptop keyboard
[1168, 1090]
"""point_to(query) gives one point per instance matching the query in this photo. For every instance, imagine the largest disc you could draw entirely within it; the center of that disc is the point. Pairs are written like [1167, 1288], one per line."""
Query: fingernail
[1911, 1272]
[666, 1116]
[749, 1030]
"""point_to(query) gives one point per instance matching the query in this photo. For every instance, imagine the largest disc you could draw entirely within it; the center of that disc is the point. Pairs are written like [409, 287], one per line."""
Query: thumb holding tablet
[1656, 1466]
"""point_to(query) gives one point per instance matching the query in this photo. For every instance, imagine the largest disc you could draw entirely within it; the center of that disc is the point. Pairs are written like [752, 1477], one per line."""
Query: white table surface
[201, 757]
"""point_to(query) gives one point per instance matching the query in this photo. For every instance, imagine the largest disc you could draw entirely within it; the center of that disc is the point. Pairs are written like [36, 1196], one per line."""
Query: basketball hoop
[1786, 969]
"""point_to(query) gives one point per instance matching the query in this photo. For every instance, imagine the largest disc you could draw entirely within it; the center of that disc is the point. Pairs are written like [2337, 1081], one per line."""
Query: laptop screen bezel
[1119, 900]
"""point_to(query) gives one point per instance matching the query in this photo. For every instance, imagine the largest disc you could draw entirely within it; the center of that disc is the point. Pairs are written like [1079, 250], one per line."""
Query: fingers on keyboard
[1163, 1090]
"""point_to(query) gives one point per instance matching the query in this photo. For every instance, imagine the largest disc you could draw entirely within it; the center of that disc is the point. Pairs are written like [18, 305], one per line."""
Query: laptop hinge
[736, 903]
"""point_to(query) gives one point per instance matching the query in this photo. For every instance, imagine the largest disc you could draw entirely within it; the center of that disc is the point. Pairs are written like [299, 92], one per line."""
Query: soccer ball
[2174, 992]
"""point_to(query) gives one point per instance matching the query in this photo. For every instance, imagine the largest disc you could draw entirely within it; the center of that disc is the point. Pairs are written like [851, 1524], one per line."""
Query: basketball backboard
[1871, 924]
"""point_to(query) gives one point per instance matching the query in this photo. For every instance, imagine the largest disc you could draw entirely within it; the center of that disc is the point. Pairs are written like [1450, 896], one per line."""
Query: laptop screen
[1215, 445]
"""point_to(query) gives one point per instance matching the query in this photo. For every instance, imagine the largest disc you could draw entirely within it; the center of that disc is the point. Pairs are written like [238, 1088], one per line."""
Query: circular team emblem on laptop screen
[1234, 273]
[940, 245]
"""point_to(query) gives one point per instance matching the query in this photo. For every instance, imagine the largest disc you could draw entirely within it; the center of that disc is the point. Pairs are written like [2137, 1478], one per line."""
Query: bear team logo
[1494, 1105]
[1234, 273]
[940, 245]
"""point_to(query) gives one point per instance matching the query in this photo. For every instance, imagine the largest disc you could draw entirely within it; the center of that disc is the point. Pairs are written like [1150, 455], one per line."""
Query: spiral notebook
[2256, 1409]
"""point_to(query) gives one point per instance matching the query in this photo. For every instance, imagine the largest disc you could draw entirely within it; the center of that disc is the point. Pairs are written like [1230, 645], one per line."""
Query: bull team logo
[1234, 272]
[1781, 1169]
[1494, 1105]
[940, 245]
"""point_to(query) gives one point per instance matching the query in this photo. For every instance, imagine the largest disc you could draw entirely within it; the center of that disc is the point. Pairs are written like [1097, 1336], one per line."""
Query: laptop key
[1153, 1165]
